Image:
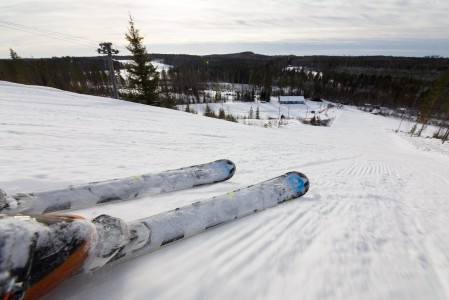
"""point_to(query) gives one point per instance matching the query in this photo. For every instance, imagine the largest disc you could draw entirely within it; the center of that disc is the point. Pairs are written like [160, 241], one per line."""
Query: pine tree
[142, 75]
[251, 113]
[13, 54]
[218, 96]
[257, 113]
[165, 99]
[18, 71]
[208, 112]
[230, 118]
[221, 113]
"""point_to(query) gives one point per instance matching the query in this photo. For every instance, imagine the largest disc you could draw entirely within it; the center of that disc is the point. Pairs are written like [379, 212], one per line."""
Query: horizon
[119, 55]
[233, 53]
[408, 28]
[237, 49]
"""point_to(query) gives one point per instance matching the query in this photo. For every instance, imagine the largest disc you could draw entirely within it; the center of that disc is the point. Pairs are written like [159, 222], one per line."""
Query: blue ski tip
[229, 166]
[2, 199]
[298, 182]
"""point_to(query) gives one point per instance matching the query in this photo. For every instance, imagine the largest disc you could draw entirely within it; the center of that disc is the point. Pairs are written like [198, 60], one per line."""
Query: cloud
[171, 22]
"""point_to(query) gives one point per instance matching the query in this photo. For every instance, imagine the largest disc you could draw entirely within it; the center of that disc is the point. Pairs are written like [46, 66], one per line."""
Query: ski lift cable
[43, 32]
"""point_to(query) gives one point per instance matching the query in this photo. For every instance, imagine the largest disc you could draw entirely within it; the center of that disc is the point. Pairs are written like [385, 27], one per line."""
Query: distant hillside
[379, 80]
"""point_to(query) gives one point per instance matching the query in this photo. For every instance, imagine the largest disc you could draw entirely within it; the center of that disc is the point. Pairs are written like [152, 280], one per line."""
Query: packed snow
[372, 226]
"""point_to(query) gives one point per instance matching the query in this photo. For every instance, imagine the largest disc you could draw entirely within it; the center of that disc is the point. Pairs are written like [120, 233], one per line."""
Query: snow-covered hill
[372, 226]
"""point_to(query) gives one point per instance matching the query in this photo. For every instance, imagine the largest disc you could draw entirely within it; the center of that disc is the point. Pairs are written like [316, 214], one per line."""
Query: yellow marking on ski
[231, 193]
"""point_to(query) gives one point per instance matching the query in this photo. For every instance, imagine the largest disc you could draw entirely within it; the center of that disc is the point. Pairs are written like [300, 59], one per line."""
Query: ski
[52, 247]
[91, 194]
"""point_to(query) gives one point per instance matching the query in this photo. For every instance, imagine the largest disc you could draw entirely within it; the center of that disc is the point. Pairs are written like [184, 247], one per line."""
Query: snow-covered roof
[292, 99]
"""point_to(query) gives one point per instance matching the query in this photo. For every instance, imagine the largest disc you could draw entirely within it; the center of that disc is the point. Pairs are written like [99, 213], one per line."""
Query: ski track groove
[275, 254]
[436, 239]
[275, 228]
[239, 256]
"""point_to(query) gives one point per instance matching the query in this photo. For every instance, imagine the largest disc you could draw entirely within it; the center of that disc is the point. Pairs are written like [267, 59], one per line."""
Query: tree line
[394, 82]
[385, 81]
[86, 75]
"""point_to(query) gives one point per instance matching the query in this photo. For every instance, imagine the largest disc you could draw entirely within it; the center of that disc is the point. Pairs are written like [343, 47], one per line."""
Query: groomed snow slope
[372, 226]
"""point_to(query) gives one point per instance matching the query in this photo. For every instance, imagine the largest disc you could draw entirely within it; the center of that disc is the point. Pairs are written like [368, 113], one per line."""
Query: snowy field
[374, 224]
[268, 110]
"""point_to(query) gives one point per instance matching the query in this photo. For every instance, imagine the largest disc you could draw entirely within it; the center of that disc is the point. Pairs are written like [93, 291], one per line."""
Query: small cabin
[291, 100]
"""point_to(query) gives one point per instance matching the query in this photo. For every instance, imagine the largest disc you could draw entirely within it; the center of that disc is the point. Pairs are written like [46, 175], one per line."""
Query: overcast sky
[45, 28]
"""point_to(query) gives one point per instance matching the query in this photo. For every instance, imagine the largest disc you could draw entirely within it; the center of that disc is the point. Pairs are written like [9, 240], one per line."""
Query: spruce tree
[142, 75]
[221, 113]
[231, 118]
[13, 54]
[251, 113]
[18, 72]
[165, 98]
[208, 112]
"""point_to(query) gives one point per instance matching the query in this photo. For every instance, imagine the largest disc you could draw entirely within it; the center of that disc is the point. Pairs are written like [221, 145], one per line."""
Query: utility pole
[106, 49]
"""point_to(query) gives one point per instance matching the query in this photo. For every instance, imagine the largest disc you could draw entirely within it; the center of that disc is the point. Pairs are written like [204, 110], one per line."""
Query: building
[291, 100]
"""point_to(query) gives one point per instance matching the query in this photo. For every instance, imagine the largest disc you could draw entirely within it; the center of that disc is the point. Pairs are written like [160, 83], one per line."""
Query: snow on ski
[151, 233]
[87, 195]
[108, 240]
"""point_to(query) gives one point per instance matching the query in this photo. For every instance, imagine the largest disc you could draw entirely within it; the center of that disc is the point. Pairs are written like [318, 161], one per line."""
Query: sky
[46, 28]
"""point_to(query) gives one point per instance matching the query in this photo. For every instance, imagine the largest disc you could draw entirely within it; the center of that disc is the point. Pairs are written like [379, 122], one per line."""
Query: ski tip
[298, 182]
[229, 166]
[2, 199]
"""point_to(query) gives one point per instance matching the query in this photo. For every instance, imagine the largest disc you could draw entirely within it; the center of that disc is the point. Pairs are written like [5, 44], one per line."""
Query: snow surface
[268, 110]
[372, 226]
